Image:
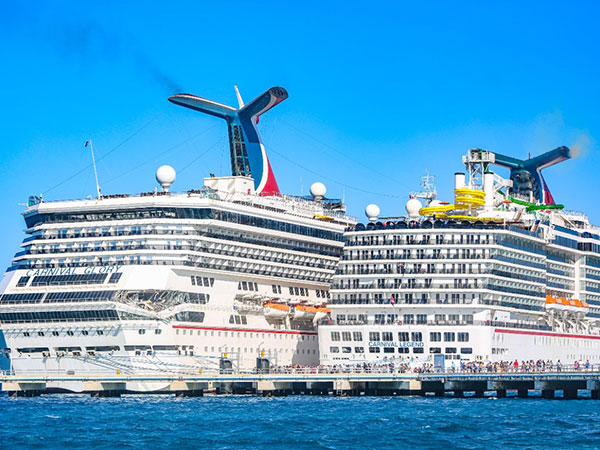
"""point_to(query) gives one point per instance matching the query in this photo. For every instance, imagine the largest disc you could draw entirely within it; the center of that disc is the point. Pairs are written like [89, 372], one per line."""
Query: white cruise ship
[498, 274]
[228, 275]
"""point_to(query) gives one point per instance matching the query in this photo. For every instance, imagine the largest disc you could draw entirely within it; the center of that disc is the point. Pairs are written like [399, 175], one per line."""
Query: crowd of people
[453, 367]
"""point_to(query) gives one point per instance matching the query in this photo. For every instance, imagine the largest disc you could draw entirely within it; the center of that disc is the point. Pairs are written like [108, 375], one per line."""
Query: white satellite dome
[435, 203]
[318, 190]
[412, 208]
[372, 212]
[165, 175]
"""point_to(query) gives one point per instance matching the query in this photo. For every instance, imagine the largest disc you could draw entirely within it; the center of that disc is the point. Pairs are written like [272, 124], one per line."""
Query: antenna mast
[95, 171]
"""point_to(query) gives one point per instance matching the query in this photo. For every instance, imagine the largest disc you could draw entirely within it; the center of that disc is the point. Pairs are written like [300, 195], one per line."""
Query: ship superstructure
[220, 276]
[499, 273]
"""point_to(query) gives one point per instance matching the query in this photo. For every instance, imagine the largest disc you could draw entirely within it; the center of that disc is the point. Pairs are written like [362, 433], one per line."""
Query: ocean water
[295, 422]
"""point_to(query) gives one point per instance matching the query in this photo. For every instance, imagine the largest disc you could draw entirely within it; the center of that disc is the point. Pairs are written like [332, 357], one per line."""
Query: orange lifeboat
[322, 312]
[553, 303]
[304, 312]
[276, 310]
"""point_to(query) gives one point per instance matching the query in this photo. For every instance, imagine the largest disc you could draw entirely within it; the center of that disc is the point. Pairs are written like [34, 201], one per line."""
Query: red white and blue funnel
[248, 155]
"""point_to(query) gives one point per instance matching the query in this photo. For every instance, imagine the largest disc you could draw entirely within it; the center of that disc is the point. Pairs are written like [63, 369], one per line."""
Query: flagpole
[95, 171]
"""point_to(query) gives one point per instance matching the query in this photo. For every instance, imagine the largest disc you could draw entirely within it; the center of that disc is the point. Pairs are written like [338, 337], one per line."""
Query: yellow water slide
[465, 200]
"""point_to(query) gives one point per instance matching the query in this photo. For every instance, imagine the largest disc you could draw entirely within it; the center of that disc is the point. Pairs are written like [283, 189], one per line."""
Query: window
[463, 337]
[357, 335]
[449, 336]
[374, 335]
[26, 333]
[379, 319]
[334, 349]
[100, 332]
[388, 350]
[69, 333]
[141, 331]
[466, 350]
[231, 319]
[190, 316]
[418, 350]
[244, 320]
[346, 349]
[158, 331]
[115, 277]
[346, 336]
[341, 317]
[387, 336]
[55, 333]
[435, 336]
[416, 336]
[403, 350]
[335, 336]
[450, 349]
[374, 350]
[435, 350]
[403, 336]
[85, 332]
[409, 319]
[421, 319]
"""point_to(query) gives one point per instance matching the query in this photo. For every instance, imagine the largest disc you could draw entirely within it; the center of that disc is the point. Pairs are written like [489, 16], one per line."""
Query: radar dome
[165, 175]
[412, 208]
[372, 212]
[318, 190]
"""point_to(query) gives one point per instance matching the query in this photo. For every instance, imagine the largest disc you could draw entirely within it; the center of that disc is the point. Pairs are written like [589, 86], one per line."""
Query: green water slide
[533, 206]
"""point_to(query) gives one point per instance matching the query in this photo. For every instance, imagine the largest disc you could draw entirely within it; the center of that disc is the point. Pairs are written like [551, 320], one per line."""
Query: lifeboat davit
[304, 312]
[276, 310]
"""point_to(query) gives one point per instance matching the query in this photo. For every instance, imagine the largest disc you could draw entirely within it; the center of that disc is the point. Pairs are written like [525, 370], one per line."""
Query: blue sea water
[158, 422]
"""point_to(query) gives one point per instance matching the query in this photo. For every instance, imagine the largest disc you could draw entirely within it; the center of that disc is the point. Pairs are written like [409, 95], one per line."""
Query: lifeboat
[304, 312]
[322, 312]
[276, 310]
[570, 305]
[553, 303]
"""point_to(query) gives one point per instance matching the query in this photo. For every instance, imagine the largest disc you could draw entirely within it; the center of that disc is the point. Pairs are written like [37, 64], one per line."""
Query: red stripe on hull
[540, 333]
[244, 330]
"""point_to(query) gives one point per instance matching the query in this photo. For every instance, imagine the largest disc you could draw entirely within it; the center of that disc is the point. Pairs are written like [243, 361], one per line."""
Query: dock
[548, 385]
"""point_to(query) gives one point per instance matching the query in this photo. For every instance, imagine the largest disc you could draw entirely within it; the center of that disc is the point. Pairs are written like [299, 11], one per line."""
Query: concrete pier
[571, 385]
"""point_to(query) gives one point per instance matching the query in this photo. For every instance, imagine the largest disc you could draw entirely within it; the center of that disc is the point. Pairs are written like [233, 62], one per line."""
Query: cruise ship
[498, 273]
[230, 275]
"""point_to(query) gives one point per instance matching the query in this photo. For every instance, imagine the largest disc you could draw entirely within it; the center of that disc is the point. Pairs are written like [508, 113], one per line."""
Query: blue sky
[378, 92]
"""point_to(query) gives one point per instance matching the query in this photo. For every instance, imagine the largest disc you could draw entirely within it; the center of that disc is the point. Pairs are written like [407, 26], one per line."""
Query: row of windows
[202, 281]
[98, 349]
[346, 336]
[247, 286]
[393, 350]
[401, 350]
[190, 316]
[238, 320]
[58, 316]
[80, 296]
[449, 336]
[68, 280]
[403, 336]
[181, 213]
[11, 299]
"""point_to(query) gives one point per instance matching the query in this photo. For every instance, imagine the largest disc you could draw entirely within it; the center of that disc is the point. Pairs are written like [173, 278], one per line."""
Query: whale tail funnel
[247, 152]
